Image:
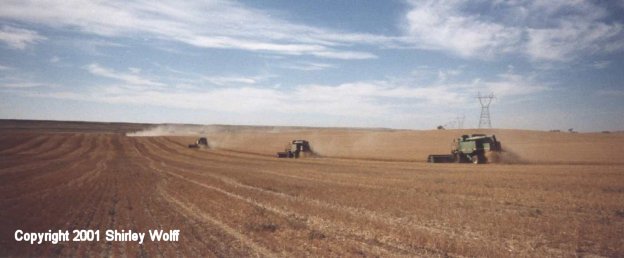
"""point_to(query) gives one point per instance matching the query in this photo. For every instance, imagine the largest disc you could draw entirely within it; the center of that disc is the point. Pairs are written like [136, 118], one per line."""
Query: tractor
[473, 148]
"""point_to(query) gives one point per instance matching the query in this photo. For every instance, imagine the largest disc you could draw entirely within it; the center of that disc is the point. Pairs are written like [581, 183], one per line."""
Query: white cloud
[372, 99]
[19, 38]
[308, 66]
[441, 25]
[610, 93]
[129, 78]
[542, 30]
[55, 59]
[571, 39]
[209, 24]
[510, 85]
[18, 80]
[22, 82]
[23, 85]
[229, 80]
[600, 64]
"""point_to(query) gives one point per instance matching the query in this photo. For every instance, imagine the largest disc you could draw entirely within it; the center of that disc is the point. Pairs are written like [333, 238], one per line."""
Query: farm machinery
[295, 149]
[473, 148]
[200, 143]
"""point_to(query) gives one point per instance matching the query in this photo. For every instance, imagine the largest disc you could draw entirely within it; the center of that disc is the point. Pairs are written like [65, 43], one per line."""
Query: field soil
[365, 192]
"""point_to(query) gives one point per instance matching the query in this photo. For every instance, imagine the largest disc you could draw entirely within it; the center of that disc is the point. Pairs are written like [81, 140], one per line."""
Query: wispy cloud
[206, 24]
[129, 78]
[510, 85]
[19, 38]
[373, 99]
[20, 82]
[22, 85]
[229, 80]
[307, 66]
[55, 59]
[610, 93]
[600, 64]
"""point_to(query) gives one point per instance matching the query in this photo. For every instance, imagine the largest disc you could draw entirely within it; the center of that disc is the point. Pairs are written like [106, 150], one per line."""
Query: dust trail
[174, 130]
[195, 130]
[505, 157]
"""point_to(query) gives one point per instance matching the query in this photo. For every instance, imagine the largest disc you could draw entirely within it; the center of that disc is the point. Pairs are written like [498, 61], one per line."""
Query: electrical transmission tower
[485, 101]
[460, 121]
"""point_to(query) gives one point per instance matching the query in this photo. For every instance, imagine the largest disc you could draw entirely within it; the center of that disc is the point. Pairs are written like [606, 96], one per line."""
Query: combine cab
[295, 149]
[469, 148]
[200, 143]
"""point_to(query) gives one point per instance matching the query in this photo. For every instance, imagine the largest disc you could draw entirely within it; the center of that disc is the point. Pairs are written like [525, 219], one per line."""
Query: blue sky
[398, 64]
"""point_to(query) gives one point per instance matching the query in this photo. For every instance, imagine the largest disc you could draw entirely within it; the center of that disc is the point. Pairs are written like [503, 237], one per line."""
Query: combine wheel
[476, 159]
[457, 158]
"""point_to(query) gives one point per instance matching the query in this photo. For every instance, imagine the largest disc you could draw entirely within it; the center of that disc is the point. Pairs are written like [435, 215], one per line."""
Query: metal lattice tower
[460, 121]
[485, 101]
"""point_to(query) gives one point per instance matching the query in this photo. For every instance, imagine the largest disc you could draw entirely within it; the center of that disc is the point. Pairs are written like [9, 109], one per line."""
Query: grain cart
[294, 149]
[200, 143]
[469, 148]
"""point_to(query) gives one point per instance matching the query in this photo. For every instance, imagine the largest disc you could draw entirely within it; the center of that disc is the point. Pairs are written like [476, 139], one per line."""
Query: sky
[555, 64]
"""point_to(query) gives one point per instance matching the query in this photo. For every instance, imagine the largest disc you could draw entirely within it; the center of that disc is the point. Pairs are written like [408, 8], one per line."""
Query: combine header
[469, 148]
[294, 149]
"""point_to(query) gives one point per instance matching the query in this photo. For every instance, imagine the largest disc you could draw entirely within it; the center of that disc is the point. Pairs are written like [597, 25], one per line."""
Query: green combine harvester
[473, 148]
[295, 149]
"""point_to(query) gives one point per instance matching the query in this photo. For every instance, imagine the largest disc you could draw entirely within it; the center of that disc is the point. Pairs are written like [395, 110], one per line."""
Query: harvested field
[370, 193]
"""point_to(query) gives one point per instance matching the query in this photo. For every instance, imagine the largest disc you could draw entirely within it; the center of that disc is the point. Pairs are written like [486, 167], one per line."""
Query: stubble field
[367, 193]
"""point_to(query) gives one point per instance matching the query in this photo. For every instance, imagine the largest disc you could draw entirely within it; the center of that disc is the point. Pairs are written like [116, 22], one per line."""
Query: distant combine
[201, 143]
[295, 149]
[475, 148]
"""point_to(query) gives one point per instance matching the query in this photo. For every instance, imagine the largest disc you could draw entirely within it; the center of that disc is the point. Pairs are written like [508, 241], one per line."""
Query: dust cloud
[176, 130]
[504, 157]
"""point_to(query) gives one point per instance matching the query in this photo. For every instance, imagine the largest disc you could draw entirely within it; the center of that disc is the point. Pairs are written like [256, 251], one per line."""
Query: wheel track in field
[470, 235]
[319, 222]
[96, 195]
[74, 211]
[192, 211]
[74, 159]
[101, 165]
[147, 203]
[10, 140]
[467, 235]
[376, 216]
[59, 165]
[250, 157]
[133, 192]
[37, 140]
[57, 149]
[70, 210]
[242, 162]
[379, 217]
[43, 149]
[40, 152]
[83, 211]
[156, 199]
[312, 221]
[240, 165]
[60, 158]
